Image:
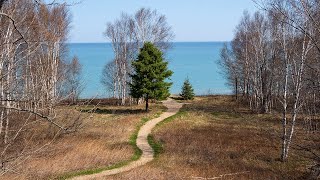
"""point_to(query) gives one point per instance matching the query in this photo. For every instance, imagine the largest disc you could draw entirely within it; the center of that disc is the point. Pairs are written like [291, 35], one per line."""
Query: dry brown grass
[214, 136]
[102, 141]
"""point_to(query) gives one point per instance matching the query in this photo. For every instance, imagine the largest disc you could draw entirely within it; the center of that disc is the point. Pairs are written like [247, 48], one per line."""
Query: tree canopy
[150, 73]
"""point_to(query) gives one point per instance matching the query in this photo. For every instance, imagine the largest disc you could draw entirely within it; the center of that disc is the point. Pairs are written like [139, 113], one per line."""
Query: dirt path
[142, 143]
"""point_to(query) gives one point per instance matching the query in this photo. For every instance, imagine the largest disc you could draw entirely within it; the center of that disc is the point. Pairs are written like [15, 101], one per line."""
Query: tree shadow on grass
[177, 98]
[114, 111]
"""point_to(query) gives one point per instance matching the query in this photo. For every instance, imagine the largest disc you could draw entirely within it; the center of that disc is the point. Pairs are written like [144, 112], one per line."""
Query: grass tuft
[180, 114]
[156, 146]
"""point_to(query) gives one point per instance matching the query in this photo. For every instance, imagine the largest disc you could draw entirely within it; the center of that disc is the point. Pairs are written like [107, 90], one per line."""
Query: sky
[191, 20]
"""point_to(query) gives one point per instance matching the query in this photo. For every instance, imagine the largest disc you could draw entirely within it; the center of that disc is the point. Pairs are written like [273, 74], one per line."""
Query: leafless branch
[49, 119]
[15, 27]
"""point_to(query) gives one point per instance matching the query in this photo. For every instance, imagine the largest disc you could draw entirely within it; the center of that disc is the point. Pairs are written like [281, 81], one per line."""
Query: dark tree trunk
[265, 105]
[147, 103]
[236, 88]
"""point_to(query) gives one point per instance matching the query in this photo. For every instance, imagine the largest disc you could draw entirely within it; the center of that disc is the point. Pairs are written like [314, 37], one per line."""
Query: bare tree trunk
[236, 82]
[6, 135]
[298, 86]
[284, 112]
[147, 102]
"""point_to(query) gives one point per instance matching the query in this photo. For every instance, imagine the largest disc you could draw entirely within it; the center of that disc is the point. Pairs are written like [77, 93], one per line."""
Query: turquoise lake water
[196, 60]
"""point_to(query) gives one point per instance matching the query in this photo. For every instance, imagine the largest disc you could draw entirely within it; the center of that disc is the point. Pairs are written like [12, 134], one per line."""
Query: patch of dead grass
[217, 137]
[102, 141]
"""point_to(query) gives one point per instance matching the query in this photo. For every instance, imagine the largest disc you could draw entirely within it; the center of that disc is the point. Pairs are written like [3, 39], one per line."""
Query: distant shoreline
[170, 42]
[196, 60]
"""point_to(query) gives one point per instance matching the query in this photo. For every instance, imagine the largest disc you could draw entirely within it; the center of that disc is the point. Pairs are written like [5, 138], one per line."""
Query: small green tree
[151, 71]
[187, 90]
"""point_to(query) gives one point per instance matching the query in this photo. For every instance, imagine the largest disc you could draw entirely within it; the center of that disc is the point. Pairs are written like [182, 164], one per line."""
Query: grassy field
[104, 141]
[211, 137]
[215, 138]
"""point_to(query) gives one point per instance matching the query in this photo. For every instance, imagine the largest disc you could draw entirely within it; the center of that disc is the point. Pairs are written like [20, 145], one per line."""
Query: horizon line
[170, 42]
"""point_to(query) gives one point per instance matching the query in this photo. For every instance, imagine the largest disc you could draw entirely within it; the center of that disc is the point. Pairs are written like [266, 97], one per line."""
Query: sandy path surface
[142, 143]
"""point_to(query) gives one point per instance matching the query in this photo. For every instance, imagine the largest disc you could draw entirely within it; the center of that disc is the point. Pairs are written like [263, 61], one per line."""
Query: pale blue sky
[191, 20]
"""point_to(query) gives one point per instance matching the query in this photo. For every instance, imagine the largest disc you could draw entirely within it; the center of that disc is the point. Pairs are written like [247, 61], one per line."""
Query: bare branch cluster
[33, 74]
[127, 35]
[273, 62]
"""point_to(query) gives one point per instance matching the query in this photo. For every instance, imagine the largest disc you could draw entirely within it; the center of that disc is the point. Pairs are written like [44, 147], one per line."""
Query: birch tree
[274, 59]
[127, 35]
[32, 43]
[296, 45]
[108, 78]
[73, 82]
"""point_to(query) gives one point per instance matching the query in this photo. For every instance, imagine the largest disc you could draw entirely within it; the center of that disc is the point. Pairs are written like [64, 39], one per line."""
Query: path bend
[142, 143]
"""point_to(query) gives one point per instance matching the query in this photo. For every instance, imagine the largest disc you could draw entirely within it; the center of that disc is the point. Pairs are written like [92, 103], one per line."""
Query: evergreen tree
[151, 70]
[187, 90]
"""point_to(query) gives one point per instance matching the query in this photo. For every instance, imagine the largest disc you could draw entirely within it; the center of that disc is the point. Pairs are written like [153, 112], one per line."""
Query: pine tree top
[187, 92]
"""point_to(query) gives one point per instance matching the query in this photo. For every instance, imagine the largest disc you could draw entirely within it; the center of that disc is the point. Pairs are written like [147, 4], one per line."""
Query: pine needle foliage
[187, 92]
[150, 73]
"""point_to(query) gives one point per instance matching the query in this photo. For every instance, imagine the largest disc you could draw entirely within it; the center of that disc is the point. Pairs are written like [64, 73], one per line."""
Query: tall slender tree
[73, 82]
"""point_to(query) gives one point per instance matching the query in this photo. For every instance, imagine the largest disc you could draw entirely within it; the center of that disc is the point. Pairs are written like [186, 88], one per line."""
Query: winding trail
[142, 143]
